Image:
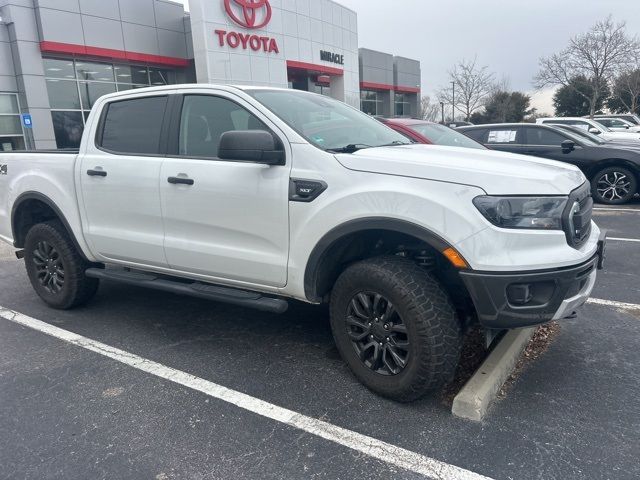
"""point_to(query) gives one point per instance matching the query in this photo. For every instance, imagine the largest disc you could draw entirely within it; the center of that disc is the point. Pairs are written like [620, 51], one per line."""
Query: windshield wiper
[396, 143]
[351, 148]
[354, 147]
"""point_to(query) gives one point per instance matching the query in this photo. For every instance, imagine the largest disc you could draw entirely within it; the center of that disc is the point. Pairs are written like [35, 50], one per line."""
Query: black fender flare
[52, 205]
[362, 225]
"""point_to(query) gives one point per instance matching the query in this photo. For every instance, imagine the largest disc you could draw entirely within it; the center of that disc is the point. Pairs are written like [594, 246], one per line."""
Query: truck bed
[37, 172]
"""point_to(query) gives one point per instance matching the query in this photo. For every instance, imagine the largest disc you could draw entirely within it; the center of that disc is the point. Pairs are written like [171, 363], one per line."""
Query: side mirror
[568, 146]
[257, 146]
[595, 131]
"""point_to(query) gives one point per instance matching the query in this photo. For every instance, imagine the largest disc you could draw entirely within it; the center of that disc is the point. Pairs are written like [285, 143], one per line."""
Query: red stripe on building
[315, 68]
[87, 51]
[375, 86]
[407, 89]
[387, 87]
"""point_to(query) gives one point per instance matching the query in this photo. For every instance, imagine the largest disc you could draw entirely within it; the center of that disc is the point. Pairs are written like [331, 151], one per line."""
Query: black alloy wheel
[377, 333]
[49, 267]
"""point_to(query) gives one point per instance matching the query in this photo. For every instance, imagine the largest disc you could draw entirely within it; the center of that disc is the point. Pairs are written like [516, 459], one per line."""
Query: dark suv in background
[612, 169]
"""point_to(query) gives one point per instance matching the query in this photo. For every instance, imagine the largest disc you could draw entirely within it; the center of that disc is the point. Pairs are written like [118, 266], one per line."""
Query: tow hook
[19, 254]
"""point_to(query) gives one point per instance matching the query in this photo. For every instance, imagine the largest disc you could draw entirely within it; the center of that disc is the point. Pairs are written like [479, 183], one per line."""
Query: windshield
[582, 134]
[327, 123]
[442, 135]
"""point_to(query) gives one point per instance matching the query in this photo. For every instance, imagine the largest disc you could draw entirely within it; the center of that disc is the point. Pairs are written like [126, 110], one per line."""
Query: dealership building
[58, 56]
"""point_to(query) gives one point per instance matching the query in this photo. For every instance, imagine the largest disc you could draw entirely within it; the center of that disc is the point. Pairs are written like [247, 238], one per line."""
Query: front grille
[577, 224]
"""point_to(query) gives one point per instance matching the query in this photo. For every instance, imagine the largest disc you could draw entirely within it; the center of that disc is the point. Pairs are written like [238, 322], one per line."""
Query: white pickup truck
[253, 196]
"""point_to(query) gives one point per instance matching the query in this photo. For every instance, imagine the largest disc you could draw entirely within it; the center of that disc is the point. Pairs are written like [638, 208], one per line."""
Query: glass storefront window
[371, 103]
[9, 104]
[11, 133]
[9, 144]
[59, 68]
[403, 107]
[158, 76]
[92, 91]
[133, 74]
[75, 85]
[10, 125]
[63, 94]
[102, 72]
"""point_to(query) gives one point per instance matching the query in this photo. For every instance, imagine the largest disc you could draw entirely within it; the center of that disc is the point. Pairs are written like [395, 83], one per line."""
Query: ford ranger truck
[253, 196]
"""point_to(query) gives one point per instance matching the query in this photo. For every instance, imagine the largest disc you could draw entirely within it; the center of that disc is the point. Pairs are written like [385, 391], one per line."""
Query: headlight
[543, 213]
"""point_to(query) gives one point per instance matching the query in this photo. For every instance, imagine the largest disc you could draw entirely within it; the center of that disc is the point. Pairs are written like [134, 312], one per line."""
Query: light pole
[453, 102]
[442, 108]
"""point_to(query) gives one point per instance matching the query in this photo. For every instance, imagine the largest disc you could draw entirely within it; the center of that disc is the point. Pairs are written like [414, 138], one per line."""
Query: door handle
[96, 173]
[180, 181]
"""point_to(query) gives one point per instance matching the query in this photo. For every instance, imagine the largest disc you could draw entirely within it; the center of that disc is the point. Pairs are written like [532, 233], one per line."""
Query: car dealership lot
[66, 412]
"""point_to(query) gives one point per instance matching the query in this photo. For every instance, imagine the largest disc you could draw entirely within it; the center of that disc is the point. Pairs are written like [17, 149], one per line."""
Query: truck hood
[497, 173]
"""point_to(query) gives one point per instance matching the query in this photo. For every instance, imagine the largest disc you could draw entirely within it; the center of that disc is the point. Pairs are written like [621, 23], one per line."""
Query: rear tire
[55, 268]
[407, 340]
[614, 186]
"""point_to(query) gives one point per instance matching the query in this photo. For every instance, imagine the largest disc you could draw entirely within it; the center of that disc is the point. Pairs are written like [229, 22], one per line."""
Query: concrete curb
[472, 402]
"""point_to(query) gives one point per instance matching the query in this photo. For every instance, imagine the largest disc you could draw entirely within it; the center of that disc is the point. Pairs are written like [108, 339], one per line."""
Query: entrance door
[223, 219]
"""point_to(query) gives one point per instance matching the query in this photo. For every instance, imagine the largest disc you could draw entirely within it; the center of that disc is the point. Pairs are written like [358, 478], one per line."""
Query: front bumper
[521, 299]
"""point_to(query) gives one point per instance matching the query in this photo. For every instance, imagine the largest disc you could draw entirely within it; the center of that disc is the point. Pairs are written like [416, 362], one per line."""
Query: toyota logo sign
[251, 14]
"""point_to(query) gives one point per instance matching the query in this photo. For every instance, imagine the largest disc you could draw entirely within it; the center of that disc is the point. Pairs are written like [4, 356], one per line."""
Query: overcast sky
[508, 36]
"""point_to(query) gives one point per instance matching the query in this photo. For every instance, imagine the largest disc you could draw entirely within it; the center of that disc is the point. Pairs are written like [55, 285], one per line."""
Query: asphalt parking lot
[72, 412]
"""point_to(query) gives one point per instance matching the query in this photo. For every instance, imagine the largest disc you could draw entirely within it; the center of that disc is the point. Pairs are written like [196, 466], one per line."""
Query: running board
[194, 289]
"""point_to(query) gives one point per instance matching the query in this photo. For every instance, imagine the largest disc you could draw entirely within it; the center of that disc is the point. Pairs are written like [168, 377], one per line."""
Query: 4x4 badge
[3, 169]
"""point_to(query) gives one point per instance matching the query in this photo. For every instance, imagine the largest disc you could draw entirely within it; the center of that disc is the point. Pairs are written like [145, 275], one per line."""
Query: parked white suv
[592, 126]
[253, 196]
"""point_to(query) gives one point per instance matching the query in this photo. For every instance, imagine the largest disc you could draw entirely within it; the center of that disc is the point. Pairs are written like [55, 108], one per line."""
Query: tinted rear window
[134, 126]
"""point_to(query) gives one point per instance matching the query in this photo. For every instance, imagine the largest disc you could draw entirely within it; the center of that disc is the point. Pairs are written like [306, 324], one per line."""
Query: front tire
[614, 186]
[55, 268]
[395, 327]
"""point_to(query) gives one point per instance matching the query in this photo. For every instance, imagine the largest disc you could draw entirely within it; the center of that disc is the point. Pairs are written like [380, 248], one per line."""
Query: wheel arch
[34, 207]
[613, 162]
[321, 268]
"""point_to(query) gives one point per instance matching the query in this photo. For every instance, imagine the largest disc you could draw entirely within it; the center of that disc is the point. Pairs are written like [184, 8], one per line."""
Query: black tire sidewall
[76, 288]
[413, 381]
[604, 171]
[339, 328]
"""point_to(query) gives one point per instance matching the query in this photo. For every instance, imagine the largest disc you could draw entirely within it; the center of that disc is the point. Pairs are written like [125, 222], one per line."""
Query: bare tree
[473, 84]
[597, 55]
[431, 111]
[626, 88]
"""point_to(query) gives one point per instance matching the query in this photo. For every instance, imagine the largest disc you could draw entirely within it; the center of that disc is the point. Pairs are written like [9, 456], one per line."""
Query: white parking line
[603, 209]
[372, 447]
[618, 239]
[611, 303]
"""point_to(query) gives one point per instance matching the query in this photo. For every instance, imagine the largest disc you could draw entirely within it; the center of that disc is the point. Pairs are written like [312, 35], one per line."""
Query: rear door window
[133, 126]
[543, 137]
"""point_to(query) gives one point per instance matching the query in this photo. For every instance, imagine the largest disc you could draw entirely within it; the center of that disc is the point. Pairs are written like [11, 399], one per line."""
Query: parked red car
[421, 131]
